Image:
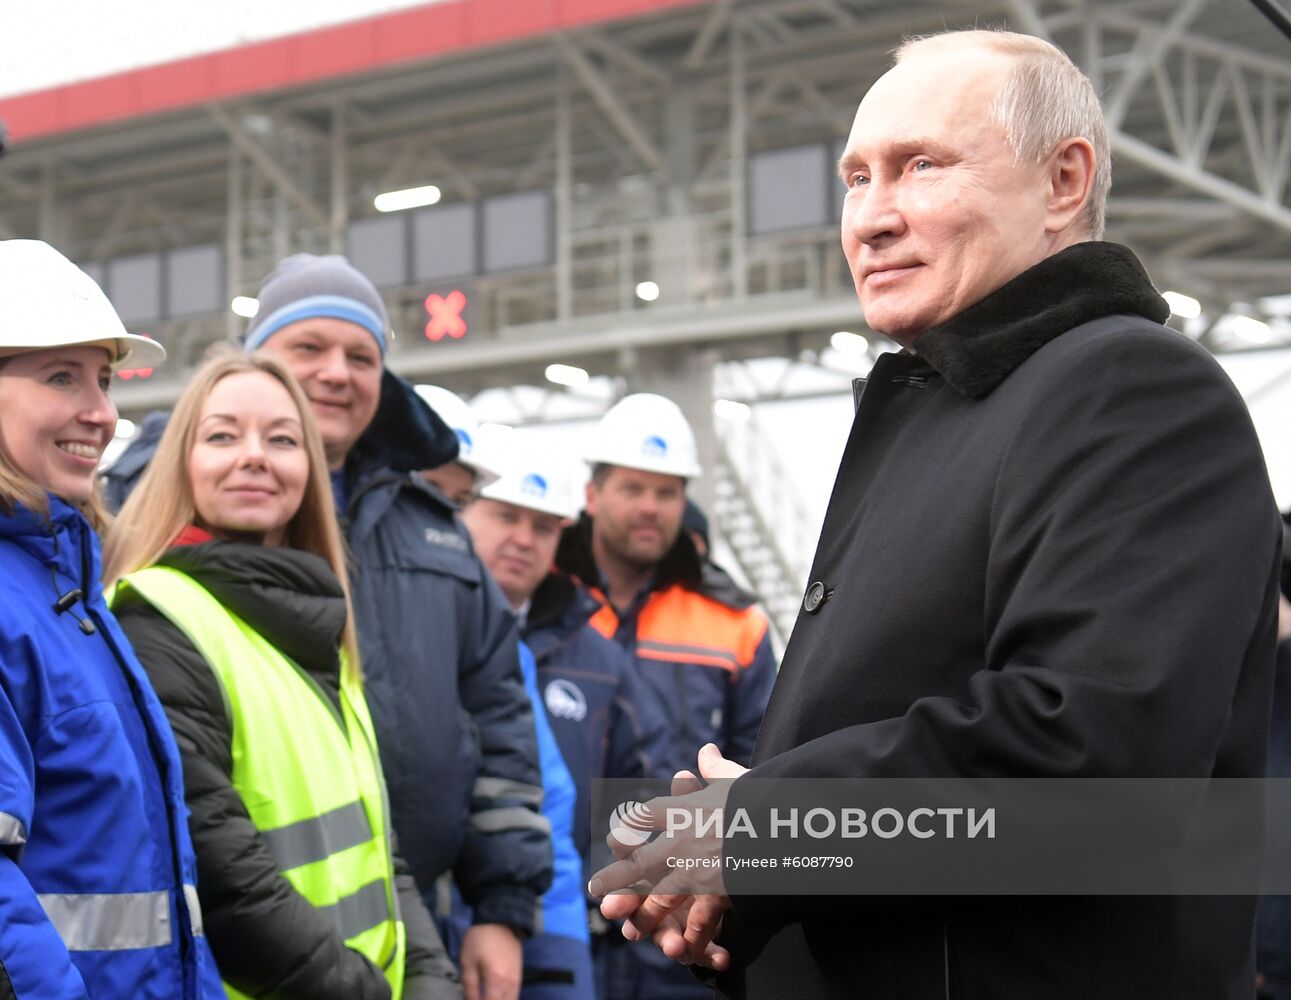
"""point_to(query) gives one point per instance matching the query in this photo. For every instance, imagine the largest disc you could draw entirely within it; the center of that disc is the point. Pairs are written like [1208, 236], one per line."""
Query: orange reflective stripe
[701, 655]
[681, 626]
[605, 620]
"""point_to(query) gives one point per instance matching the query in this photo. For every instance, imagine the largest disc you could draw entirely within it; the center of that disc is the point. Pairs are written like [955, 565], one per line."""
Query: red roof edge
[355, 47]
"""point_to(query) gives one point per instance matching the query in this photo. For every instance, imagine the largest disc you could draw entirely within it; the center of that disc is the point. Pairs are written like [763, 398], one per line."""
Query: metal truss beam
[1191, 89]
[270, 167]
[624, 57]
[1176, 169]
[613, 108]
[718, 17]
[1148, 52]
[19, 188]
[1184, 210]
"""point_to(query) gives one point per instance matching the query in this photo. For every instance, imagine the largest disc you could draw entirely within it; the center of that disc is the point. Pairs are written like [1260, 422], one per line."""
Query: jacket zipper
[183, 942]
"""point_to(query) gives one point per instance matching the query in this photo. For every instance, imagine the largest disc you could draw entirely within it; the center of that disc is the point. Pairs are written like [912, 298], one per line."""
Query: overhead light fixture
[245, 306]
[845, 342]
[1252, 329]
[125, 428]
[1183, 306]
[732, 410]
[647, 291]
[398, 201]
[1275, 305]
[566, 375]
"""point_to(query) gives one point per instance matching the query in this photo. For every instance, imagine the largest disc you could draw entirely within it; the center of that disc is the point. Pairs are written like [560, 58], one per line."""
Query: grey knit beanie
[305, 286]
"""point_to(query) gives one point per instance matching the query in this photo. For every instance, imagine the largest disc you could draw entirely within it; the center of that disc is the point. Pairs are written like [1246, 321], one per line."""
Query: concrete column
[233, 243]
[686, 377]
[673, 262]
[339, 215]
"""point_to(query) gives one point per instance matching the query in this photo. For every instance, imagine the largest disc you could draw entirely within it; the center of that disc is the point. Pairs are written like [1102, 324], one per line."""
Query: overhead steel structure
[642, 122]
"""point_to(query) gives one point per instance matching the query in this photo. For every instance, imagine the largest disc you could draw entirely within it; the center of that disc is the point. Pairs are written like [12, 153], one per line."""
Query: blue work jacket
[97, 873]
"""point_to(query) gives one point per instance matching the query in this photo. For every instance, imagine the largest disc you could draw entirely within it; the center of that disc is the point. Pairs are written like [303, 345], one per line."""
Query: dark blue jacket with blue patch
[96, 867]
[441, 672]
[699, 643]
[606, 722]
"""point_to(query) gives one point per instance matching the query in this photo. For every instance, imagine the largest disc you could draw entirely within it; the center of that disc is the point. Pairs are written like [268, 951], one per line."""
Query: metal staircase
[760, 515]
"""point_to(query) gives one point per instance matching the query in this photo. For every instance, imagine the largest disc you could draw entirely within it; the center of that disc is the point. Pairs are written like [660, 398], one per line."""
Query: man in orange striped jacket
[699, 643]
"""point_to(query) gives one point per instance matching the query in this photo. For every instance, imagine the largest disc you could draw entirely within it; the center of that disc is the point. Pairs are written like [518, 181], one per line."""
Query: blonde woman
[231, 583]
[96, 868]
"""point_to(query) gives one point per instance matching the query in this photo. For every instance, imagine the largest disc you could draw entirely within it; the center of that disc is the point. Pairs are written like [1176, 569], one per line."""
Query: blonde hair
[1045, 100]
[162, 504]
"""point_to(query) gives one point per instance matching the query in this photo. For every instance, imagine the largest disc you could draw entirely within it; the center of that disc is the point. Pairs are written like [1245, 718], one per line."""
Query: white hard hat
[47, 301]
[648, 432]
[455, 412]
[535, 478]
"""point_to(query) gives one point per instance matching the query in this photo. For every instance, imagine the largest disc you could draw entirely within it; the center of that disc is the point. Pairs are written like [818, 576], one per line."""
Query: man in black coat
[1051, 552]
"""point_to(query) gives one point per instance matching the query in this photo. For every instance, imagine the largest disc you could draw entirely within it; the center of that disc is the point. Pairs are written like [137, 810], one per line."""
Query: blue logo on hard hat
[464, 440]
[533, 485]
[654, 447]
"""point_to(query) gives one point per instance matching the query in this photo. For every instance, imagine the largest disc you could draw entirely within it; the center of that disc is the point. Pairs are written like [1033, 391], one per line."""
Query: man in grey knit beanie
[304, 286]
[439, 646]
[442, 678]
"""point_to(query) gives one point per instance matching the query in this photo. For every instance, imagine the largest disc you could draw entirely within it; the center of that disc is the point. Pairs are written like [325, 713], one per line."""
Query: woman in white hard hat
[97, 874]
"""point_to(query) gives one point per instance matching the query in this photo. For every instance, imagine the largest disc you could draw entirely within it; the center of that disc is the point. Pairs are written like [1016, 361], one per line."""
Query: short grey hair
[1045, 100]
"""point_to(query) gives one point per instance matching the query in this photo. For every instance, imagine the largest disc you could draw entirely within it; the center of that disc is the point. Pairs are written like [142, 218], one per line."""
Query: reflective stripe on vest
[359, 911]
[319, 837]
[309, 775]
[117, 921]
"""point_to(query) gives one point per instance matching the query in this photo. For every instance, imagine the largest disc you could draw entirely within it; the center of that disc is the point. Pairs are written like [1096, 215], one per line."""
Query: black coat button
[814, 598]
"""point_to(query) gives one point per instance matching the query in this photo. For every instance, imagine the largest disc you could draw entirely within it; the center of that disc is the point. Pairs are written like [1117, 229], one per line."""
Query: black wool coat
[1051, 550]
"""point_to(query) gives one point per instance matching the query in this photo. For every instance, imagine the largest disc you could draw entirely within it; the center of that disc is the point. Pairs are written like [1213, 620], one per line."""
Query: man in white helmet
[700, 645]
[592, 726]
[459, 479]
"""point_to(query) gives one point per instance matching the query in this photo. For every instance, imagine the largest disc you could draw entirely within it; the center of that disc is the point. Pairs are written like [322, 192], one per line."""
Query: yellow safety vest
[309, 775]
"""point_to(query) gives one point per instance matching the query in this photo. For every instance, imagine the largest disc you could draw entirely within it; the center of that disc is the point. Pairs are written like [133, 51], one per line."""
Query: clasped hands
[671, 889]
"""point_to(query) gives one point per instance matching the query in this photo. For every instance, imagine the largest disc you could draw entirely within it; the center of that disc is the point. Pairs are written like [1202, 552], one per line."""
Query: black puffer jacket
[268, 940]
[440, 666]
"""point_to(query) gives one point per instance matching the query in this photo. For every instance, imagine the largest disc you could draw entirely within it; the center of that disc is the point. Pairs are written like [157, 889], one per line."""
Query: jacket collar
[62, 541]
[979, 348]
[54, 538]
[289, 596]
[558, 609]
[405, 435]
[681, 566]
